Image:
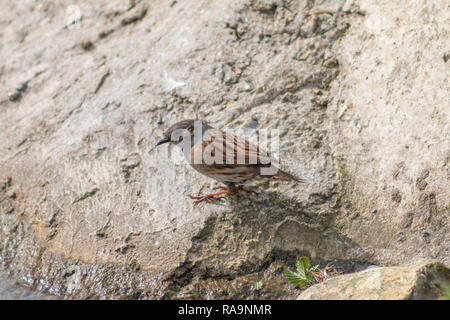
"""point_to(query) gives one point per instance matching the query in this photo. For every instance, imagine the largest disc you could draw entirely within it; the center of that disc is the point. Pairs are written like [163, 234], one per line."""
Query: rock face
[9, 290]
[423, 280]
[389, 121]
[89, 208]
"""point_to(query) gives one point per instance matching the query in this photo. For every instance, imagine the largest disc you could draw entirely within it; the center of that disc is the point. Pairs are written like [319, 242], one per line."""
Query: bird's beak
[163, 140]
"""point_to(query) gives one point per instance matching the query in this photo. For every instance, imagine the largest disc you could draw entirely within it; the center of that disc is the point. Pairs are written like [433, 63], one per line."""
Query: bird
[224, 157]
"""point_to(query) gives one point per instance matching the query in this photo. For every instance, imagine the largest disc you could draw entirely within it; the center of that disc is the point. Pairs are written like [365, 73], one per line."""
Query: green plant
[304, 275]
[258, 286]
[325, 85]
[446, 293]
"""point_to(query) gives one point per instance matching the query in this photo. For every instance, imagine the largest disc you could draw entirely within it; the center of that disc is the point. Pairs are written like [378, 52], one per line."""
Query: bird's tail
[282, 175]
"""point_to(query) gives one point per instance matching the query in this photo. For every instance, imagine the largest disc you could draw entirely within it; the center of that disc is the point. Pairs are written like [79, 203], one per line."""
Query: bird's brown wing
[228, 149]
[226, 157]
[245, 152]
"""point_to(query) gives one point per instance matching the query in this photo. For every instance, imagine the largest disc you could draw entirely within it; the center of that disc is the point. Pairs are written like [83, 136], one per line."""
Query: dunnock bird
[224, 157]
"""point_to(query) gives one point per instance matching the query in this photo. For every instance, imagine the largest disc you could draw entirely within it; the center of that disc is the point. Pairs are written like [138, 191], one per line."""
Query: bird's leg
[235, 189]
[230, 188]
[209, 196]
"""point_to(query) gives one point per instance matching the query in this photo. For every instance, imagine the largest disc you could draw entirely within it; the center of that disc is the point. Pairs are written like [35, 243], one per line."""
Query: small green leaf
[293, 277]
[258, 285]
[310, 277]
[316, 268]
[446, 293]
[304, 276]
[306, 262]
[296, 279]
[302, 267]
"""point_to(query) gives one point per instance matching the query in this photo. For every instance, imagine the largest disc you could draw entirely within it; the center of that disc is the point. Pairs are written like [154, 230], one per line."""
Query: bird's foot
[237, 188]
[209, 196]
[217, 195]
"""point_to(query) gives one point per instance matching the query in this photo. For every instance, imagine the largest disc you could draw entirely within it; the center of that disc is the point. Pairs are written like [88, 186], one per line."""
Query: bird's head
[183, 129]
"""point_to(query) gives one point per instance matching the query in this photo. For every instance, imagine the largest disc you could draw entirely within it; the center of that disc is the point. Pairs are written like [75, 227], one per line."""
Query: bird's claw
[208, 197]
[217, 195]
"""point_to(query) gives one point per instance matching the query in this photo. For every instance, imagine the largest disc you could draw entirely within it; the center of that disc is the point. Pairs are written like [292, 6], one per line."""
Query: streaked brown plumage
[223, 157]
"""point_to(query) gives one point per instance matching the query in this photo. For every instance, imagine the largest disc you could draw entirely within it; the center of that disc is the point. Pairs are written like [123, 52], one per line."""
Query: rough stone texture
[426, 279]
[389, 121]
[89, 209]
[9, 290]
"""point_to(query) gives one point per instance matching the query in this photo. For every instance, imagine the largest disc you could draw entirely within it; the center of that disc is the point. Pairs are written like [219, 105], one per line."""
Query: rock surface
[389, 123]
[89, 209]
[426, 279]
[9, 290]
